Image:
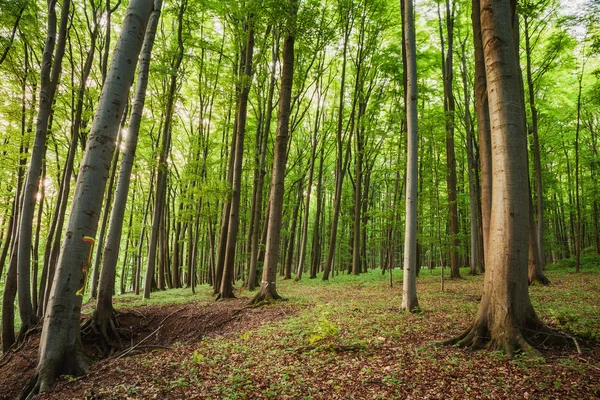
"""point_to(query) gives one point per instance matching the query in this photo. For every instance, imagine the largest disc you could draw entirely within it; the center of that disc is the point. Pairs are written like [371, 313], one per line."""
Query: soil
[149, 328]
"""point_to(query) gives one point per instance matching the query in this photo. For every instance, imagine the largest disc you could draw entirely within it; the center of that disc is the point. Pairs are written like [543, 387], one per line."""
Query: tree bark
[340, 161]
[409, 286]
[506, 319]
[226, 289]
[256, 235]
[50, 74]
[60, 346]
[163, 167]
[103, 319]
[268, 288]
[292, 238]
[483, 126]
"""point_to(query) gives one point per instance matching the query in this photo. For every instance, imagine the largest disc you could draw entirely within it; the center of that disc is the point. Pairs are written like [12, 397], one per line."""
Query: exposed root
[540, 279]
[73, 364]
[219, 297]
[105, 332]
[519, 340]
[262, 299]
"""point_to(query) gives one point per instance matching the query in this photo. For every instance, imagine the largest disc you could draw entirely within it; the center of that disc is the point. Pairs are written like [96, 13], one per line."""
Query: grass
[349, 337]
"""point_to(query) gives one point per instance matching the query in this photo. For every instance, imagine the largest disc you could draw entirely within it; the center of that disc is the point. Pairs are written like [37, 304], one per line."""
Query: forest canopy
[148, 146]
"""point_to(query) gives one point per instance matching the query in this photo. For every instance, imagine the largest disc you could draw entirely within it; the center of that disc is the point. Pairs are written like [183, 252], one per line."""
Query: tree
[103, 319]
[409, 285]
[60, 347]
[163, 167]
[226, 289]
[50, 75]
[449, 109]
[268, 288]
[506, 319]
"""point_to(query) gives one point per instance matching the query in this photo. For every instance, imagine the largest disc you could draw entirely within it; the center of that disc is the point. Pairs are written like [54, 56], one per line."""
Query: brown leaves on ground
[344, 339]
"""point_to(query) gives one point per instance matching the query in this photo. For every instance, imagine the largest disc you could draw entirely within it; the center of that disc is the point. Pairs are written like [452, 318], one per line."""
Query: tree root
[539, 278]
[524, 340]
[73, 364]
[104, 331]
[262, 299]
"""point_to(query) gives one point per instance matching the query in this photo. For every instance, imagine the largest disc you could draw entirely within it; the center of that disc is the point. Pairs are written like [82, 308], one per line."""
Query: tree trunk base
[539, 278]
[105, 331]
[221, 297]
[46, 373]
[262, 299]
[510, 340]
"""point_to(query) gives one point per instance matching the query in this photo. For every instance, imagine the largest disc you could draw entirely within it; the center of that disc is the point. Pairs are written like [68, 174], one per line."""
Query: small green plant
[197, 357]
[323, 329]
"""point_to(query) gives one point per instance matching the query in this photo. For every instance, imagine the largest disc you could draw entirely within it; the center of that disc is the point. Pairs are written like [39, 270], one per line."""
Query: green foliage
[322, 329]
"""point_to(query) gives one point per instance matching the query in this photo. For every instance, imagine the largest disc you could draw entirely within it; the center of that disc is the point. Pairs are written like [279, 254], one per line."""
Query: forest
[300, 199]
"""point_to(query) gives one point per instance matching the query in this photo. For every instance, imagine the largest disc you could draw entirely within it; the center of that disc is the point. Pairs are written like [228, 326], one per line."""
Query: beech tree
[54, 51]
[506, 319]
[60, 347]
[268, 288]
[103, 321]
[409, 285]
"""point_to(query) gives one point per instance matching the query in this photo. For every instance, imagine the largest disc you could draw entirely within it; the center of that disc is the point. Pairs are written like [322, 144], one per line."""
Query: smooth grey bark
[268, 288]
[60, 350]
[226, 289]
[341, 159]
[315, 263]
[483, 126]
[103, 317]
[106, 211]
[163, 167]
[409, 285]
[311, 169]
[50, 74]
[449, 109]
[53, 239]
[263, 168]
[506, 319]
[473, 191]
[292, 237]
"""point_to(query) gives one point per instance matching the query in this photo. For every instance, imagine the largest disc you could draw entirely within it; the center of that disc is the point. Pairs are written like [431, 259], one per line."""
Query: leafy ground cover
[343, 339]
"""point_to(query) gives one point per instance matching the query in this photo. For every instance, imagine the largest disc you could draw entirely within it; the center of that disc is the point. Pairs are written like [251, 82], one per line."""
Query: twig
[574, 341]
[160, 325]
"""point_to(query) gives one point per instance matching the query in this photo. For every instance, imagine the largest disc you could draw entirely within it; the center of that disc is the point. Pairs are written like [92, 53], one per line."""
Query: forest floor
[342, 339]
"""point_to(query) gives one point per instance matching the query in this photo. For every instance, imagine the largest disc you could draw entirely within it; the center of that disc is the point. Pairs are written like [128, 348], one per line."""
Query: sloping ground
[344, 339]
[150, 328]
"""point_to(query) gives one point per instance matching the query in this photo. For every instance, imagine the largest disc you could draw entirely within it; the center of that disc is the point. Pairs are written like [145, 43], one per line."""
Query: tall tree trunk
[292, 239]
[226, 289]
[268, 289]
[50, 75]
[106, 210]
[263, 168]
[536, 150]
[163, 168]
[315, 264]
[60, 346]
[473, 192]
[506, 319]
[53, 239]
[409, 286]
[311, 169]
[449, 108]
[103, 319]
[578, 235]
[340, 161]
[483, 126]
